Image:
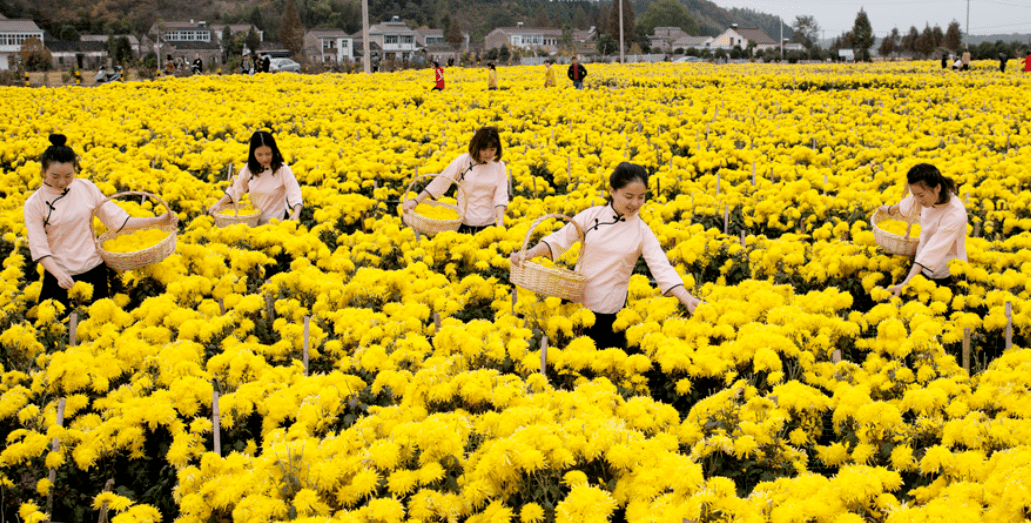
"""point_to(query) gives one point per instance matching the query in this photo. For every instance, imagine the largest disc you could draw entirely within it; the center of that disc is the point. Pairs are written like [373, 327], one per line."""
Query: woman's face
[59, 175]
[488, 154]
[264, 156]
[628, 199]
[923, 195]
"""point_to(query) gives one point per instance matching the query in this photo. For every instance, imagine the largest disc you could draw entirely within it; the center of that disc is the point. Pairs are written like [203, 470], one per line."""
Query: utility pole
[622, 59]
[781, 39]
[366, 58]
[968, 26]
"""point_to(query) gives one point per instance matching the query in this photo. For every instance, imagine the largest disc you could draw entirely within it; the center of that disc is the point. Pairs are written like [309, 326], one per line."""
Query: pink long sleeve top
[612, 245]
[58, 224]
[273, 193]
[484, 185]
[943, 234]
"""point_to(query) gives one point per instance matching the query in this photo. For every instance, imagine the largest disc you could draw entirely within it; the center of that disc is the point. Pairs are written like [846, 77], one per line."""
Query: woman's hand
[885, 208]
[517, 257]
[63, 280]
[410, 205]
[213, 210]
[897, 289]
[692, 303]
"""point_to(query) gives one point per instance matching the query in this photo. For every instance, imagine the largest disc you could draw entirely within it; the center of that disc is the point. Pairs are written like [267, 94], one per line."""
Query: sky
[837, 16]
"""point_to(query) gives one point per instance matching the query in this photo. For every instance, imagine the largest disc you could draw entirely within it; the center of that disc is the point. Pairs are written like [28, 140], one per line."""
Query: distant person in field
[943, 224]
[549, 74]
[438, 73]
[577, 73]
[484, 183]
[198, 64]
[266, 63]
[492, 77]
[271, 183]
[966, 59]
[57, 223]
[945, 61]
[616, 238]
[169, 65]
[1027, 62]
[1002, 62]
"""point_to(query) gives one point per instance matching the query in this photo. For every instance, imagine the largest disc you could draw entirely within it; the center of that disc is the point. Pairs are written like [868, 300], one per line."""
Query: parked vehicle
[687, 59]
[104, 77]
[284, 65]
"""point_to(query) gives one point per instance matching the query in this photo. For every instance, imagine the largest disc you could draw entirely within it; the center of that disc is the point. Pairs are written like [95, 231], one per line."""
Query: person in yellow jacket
[492, 77]
[549, 75]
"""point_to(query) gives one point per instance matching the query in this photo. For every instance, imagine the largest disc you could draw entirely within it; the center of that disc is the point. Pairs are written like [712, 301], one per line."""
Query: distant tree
[34, 56]
[491, 55]
[862, 35]
[890, 43]
[937, 36]
[255, 19]
[924, 44]
[628, 22]
[566, 43]
[119, 49]
[607, 45]
[909, 41]
[504, 54]
[667, 13]
[253, 41]
[953, 38]
[291, 32]
[806, 30]
[721, 53]
[580, 18]
[541, 19]
[69, 33]
[454, 35]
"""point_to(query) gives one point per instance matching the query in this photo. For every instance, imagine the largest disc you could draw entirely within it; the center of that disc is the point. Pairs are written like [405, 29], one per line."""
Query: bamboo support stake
[534, 186]
[73, 325]
[1009, 325]
[726, 218]
[515, 300]
[742, 238]
[307, 331]
[717, 183]
[509, 169]
[966, 349]
[222, 306]
[216, 423]
[753, 173]
[270, 308]
[836, 356]
[103, 509]
[436, 320]
[55, 446]
[544, 354]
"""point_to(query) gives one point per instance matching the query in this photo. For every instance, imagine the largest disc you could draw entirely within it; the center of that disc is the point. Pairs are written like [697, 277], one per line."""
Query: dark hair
[491, 65]
[929, 176]
[58, 152]
[626, 173]
[258, 139]
[485, 138]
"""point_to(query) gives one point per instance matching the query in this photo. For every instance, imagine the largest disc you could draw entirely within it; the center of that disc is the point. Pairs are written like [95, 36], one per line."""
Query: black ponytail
[58, 152]
[930, 177]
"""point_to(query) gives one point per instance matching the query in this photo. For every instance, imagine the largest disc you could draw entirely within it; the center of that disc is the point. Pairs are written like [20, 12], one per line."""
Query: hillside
[476, 17]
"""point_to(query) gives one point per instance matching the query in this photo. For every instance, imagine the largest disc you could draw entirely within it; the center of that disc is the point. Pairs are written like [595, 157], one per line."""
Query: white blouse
[273, 193]
[943, 235]
[612, 245]
[484, 185]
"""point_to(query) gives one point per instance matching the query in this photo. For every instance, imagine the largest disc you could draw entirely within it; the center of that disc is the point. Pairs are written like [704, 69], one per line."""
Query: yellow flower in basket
[136, 241]
[436, 212]
[244, 210]
[899, 227]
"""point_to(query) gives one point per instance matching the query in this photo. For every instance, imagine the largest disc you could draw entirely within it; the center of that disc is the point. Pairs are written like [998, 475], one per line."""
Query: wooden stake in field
[1009, 325]
[270, 308]
[753, 173]
[544, 354]
[726, 218]
[966, 349]
[307, 323]
[436, 320]
[216, 424]
[73, 324]
[55, 446]
[103, 509]
[717, 183]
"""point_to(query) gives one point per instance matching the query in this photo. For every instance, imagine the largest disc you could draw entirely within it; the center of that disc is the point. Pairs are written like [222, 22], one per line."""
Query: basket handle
[579, 230]
[93, 214]
[465, 198]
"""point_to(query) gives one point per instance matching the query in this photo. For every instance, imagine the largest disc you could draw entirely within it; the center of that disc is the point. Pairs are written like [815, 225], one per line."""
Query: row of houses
[387, 40]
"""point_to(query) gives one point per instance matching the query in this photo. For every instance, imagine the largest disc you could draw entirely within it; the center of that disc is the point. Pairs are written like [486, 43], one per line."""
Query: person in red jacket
[577, 73]
[1027, 62]
[439, 72]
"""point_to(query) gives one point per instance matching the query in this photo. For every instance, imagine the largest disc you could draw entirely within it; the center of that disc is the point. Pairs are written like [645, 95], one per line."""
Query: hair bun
[58, 140]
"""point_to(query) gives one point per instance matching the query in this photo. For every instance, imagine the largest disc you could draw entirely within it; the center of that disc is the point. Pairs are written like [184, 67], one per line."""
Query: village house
[521, 37]
[389, 40]
[328, 45]
[736, 36]
[84, 54]
[189, 39]
[433, 46]
[12, 34]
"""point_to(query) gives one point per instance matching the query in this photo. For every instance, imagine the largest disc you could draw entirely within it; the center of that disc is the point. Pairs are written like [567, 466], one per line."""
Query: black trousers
[97, 277]
[603, 335]
[471, 229]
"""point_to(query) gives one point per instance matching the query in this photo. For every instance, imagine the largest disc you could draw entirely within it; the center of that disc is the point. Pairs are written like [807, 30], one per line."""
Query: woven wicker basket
[557, 282]
[124, 261]
[225, 220]
[431, 226]
[893, 243]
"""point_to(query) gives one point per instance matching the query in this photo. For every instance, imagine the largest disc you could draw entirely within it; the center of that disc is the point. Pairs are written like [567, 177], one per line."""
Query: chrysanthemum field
[799, 392]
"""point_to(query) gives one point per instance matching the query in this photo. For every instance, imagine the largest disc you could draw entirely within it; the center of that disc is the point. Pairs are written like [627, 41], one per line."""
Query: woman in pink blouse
[270, 182]
[615, 237]
[484, 183]
[943, 224]
[57, 222]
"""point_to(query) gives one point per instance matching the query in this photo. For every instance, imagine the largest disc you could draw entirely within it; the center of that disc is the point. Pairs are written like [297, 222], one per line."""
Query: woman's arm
[63, 279]
[541, 249]
[897, 289]
[295, 213]
[499, 216]
[134, 223]
[685, 297]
